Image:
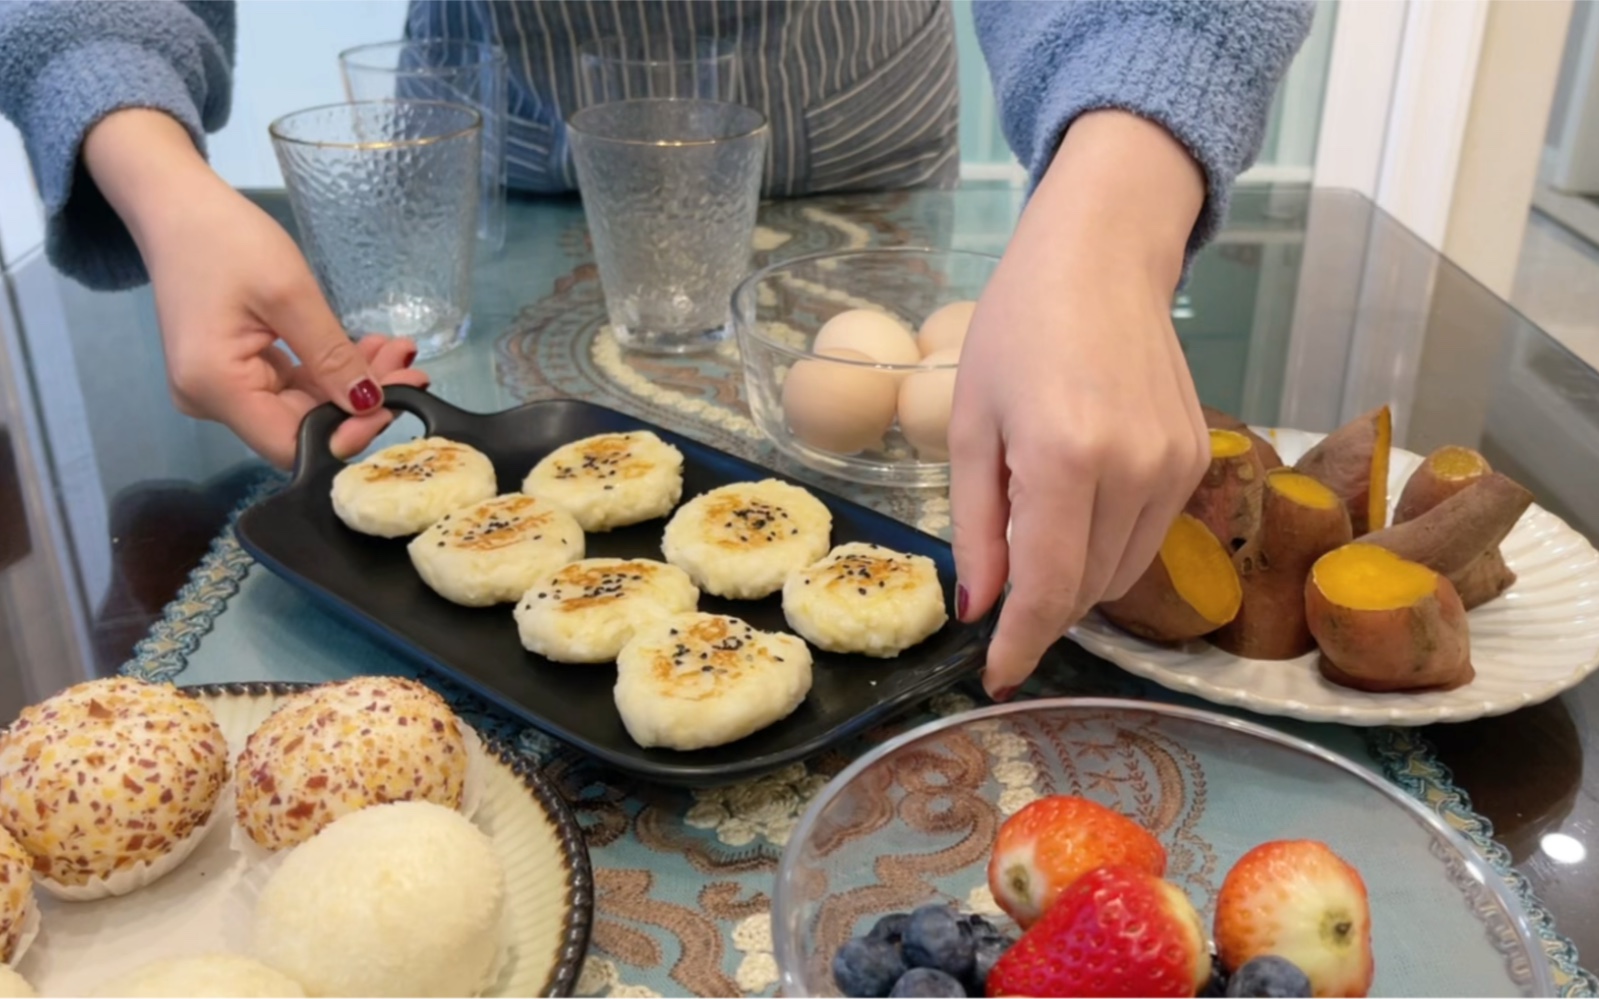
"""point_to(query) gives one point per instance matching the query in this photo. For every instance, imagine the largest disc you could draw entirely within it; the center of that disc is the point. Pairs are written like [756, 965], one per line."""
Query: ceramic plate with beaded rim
[1539, 639]
[205, 904]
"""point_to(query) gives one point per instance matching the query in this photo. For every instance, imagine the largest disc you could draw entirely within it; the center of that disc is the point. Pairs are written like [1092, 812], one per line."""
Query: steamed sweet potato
[1446, 472]
[1352, 461]
[1215, 419]
[1228, 498]
[1452, 537]
[1386, 624]
[1189, 591]
[1301, 520]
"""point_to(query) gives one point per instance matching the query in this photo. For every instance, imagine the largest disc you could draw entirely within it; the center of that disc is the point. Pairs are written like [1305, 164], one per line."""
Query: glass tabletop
[1311, 307]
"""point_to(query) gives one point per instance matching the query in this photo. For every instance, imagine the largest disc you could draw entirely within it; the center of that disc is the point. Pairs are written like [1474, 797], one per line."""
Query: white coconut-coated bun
[13, 985]
[224, 976]
[405, 899]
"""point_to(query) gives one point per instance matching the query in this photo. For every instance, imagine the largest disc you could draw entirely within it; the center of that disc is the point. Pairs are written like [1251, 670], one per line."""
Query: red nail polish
[365, 396]
[1004, 694]
[962, 598]
[410, 356]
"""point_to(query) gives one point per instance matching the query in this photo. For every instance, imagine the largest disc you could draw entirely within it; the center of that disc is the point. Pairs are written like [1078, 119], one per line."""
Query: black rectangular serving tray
[296, 534]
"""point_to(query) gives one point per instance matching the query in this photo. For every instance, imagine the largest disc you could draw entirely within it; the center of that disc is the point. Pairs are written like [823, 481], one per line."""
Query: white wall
[287, 60]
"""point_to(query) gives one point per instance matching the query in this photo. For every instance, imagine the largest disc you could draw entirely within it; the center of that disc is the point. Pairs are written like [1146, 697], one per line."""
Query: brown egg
[878, 335]
[842, 408]
[945, 329]
[925, 401]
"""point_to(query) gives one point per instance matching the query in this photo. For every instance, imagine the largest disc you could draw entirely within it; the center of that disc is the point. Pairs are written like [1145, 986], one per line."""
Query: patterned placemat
[682, 877]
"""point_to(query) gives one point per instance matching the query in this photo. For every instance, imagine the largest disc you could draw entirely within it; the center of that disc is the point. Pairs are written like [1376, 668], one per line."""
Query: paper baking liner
[30, 930]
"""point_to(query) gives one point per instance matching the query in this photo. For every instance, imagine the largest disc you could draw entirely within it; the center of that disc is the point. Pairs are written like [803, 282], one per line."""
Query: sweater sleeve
[66, 65]
[1205, 70]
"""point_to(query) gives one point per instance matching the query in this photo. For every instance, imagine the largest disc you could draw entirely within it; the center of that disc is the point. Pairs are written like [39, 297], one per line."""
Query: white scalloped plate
[206, 904]
[1537, 640]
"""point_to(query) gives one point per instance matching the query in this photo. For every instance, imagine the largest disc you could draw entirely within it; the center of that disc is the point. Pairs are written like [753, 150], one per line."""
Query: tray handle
[315, 452]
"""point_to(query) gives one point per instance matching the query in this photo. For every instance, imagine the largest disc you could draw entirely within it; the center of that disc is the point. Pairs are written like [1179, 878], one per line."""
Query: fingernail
[1003, 694]
[365, 396]
[410, 356]
[962, 598]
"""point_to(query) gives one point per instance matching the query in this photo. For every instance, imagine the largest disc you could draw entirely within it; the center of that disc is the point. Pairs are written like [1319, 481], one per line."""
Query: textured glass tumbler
[670, 189]
[385, 194]
[458, 72]
[625, 69]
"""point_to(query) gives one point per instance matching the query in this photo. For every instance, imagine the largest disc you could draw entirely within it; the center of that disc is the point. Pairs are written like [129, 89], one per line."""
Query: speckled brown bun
[340, 747]
[16, 894]
[107, 775]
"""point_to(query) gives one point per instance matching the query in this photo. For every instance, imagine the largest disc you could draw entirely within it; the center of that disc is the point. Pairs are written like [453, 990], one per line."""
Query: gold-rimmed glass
[670, 190]
[385, 195]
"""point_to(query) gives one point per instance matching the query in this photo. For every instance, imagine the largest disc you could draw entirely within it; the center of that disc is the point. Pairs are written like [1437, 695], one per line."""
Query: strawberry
[1117, 931]
[1300, 901]
[1054, 841]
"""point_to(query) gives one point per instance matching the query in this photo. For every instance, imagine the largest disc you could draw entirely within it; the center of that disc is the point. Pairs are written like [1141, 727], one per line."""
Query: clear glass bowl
[914, 822]
[778, 311]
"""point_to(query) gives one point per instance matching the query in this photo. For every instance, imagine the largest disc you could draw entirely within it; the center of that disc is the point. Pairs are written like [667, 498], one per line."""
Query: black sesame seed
[861, 590]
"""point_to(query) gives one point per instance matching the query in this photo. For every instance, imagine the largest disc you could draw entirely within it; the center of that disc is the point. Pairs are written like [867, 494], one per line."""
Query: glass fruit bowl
[850, 357]
[914, 822]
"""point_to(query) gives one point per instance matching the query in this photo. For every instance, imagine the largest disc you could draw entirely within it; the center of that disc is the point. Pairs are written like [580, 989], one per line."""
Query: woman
[1076, 433]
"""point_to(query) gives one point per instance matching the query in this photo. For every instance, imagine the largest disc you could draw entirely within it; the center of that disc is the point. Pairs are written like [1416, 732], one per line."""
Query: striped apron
[860, 94]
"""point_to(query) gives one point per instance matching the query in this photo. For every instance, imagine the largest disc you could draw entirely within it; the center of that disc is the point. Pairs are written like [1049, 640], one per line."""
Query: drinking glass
[385, 195]
[458, 72]
[670, 189]
[624, 69]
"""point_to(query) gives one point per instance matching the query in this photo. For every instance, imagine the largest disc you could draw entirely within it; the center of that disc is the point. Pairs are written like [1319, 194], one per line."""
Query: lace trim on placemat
[1408, 759]
[1404, 755]
[164, 652]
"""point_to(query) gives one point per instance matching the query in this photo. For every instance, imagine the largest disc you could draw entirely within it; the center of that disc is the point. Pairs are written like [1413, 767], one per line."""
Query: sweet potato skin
[1272, 568]
[1343, 460]
[1455, 534]
[1426, 646]
[1228, 499]
[1215, 419]
[1485, 577]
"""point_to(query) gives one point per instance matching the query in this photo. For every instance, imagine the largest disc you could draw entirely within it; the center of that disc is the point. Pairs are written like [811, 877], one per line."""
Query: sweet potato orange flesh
[1446, 471]
[1352, 461]
[1452, 536]
[1386, 624]
[1228, 499]
[1301, 520]
[1215, 419]
[1190, 590]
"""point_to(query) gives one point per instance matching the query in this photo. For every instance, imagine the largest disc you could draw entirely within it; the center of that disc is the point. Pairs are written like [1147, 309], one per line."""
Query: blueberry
[929, 982]
[1268, 975]
[864, 967]
[989, 950]
[891, 928]
[937, 938]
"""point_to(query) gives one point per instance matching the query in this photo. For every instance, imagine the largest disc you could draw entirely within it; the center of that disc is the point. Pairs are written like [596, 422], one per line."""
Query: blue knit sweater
[1204, 69]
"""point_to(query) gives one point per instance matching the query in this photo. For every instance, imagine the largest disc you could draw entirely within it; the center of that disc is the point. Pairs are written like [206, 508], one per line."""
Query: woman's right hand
[229, 285]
